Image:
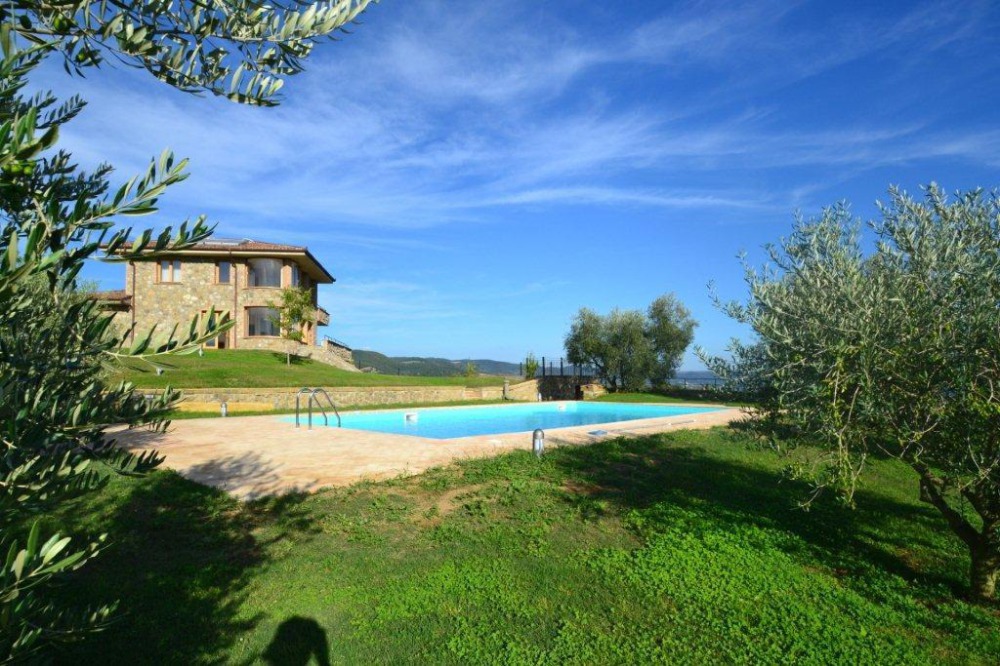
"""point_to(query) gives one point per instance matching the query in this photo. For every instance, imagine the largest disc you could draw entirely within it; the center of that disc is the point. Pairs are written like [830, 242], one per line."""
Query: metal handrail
[297, 407]
[313, 393]
[322, 391]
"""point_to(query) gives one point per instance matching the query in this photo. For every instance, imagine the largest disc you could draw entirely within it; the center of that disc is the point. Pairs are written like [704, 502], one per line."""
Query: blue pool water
[446, 423]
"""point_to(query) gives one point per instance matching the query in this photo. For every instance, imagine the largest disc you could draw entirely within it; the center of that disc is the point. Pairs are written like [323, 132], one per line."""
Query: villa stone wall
[120, 322]
[164, 304]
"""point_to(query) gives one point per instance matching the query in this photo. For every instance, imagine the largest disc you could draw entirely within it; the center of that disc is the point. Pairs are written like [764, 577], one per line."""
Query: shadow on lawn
[290, 359]
[880, 532]
[296, 642]
[180, 558]
[248, 475]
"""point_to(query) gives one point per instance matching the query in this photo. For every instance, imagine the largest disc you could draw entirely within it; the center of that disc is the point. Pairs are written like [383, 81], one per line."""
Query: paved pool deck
[256, 456]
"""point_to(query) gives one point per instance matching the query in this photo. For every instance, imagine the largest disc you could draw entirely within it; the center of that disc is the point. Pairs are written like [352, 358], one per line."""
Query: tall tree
[670, 330]
[630, 349]
[893, 352]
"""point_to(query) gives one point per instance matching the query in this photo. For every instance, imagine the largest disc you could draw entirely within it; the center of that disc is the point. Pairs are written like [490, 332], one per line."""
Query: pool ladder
[314, 394]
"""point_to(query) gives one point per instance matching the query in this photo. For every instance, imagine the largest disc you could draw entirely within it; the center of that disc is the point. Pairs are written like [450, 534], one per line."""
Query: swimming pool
[450, 422]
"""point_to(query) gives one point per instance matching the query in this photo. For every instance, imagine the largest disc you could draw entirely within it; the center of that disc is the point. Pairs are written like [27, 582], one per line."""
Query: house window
[262, 322]
[170, 270]
[296, 276]
[264, 273]
[225, 270]
[222, 341]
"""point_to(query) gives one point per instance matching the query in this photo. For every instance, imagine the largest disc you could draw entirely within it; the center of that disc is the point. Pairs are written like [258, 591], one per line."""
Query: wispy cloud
[442, 122]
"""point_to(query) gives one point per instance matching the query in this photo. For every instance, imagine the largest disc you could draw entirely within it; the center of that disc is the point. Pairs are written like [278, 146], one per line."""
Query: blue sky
[474, 173]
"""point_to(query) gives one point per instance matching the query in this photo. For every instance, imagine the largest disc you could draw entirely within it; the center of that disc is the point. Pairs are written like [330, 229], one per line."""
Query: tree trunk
[984, 544]
[985, 572]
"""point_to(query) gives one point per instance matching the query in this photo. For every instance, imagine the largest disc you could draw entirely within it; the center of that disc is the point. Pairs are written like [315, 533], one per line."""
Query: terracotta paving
[254, 456]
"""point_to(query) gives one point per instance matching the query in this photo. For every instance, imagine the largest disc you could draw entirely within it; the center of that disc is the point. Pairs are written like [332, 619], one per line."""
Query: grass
[238, 368]
[637, 397]
[657, 397]
[685, 547]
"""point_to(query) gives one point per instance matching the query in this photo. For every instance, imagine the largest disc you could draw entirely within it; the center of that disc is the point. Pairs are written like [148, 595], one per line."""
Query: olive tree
[629, 348]
[239, 49]
[893, 351]
[670, 330]
[54, 402]
[293, 311]
[55, 405]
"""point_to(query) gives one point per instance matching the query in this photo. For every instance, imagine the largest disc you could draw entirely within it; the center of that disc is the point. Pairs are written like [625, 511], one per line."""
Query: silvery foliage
[631, 349]
[887, 345]
[240, 49]
[54, 404]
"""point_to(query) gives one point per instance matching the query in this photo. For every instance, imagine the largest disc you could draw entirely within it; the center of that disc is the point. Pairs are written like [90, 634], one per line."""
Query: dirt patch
[432, 508]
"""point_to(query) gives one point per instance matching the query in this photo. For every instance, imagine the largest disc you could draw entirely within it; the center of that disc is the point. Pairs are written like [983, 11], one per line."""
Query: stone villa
[235, 278]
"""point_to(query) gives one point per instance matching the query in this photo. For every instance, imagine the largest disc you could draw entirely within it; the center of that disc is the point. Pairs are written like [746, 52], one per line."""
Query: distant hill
[418, 366]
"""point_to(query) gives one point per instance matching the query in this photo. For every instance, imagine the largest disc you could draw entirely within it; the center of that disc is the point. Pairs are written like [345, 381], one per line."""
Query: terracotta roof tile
[248, 245]
[119, 295]
[243, 244]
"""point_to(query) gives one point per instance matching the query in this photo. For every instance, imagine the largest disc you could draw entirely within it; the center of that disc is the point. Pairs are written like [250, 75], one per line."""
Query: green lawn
[637, 397]
[680, 548]
[261, 369]
[654, 397]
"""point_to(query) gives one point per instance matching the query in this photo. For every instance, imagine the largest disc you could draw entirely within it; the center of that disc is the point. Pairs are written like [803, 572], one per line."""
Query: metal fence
[698, 382]
[558, 367]
[549, 366]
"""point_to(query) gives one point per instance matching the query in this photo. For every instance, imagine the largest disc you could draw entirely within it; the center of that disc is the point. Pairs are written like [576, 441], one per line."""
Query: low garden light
[538, 442]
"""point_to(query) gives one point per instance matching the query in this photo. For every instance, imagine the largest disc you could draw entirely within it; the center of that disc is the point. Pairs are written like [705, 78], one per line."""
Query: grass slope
[261, 369]
[637, 397]
[684, 398]
[680, 548]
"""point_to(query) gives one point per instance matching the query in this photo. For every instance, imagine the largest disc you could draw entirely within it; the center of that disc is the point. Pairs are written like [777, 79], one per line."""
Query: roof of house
[114, 297]
[247, 247]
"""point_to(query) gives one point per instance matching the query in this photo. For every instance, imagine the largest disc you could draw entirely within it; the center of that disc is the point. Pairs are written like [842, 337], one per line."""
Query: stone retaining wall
[565, 388]
[244, 399]
[334, 355]
[342, 352]
[263, 399]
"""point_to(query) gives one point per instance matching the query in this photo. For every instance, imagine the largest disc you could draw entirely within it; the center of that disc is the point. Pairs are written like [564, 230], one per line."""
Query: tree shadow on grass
[880, 532]
[248, 476]
[294, 359]
[180, 558]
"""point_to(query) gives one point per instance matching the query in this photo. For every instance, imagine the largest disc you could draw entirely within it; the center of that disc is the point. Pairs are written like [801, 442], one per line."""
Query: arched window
[264, 273]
